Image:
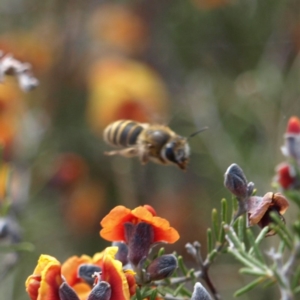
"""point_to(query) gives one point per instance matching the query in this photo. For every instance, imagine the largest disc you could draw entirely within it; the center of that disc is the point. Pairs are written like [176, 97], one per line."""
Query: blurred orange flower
[124, 89]
[119, 27]
[5, 172]
[11, 109]
[27, 46]
[82, 207]
[69, 170]
[113, 224]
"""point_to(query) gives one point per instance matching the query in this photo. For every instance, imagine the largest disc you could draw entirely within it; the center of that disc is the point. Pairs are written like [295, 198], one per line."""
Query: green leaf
[282, 235]
[212, 255]
[161, 252]
[281, 225]
[178, 289]
[252, 271]
[296, 278]
[182, 266]
[215, 223]
[153, 294]
[254, 249]
[233, 237]
[241, 228]
[222, 233]
[209, 240]
[249, 286]
[224, 209]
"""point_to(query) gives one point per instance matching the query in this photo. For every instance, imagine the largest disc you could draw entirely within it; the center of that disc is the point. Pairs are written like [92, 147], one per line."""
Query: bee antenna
[197, 132]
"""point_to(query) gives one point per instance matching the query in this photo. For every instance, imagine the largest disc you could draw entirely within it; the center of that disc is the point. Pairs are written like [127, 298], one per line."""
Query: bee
[154, 142]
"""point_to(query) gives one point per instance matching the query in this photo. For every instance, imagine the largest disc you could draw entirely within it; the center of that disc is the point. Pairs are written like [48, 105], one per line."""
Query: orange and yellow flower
[46, 279]
[113, 224]
[49, 275]
[123, 284]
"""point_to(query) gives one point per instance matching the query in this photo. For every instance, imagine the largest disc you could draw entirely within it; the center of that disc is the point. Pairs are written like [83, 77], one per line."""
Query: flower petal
[46, 279]
[50, 283]
[70, 267]
[113, 229]
[280, 202]
[257, 207]
[113, 274]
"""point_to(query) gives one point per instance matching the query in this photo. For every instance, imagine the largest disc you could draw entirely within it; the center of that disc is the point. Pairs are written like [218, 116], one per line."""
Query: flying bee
[154, 142]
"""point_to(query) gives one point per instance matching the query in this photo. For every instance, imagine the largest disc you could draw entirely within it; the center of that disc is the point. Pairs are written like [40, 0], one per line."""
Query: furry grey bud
[162, 267]
[200, 293]
[101, 291]
[67, 293]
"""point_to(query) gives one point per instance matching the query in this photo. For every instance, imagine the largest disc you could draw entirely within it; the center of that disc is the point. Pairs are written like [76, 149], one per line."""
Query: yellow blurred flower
[117, 26]
[124, 89]
[5, 172]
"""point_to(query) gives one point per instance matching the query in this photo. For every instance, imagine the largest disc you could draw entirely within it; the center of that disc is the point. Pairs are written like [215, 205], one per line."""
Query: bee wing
[128, 152]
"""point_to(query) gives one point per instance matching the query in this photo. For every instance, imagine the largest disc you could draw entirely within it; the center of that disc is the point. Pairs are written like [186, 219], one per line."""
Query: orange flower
[70, 269]
[46, 279]
[113, 224]
[122, 284]
[49, 279]
[139, 229]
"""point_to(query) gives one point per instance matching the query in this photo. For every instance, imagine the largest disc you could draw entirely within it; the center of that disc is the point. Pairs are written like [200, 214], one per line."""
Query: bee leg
[128, 152]
[144, 158]
[144, 154]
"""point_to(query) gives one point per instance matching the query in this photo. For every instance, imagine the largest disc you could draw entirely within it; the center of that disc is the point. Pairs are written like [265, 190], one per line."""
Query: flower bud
[236, 182]
[66, 292]
[200, 293]
[101, 291]
[162, 267]
[291, 147]
[286, 176]
[86, 272]
[139, 239]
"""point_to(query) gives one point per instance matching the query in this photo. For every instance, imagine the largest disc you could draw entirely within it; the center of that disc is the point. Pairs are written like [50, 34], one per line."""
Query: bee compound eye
[170, 155]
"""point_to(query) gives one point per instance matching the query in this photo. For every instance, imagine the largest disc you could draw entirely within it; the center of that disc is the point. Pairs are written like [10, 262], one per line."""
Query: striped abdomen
[122, 133]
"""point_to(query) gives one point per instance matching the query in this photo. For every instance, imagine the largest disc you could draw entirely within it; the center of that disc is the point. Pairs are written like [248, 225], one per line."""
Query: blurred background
[231, 65]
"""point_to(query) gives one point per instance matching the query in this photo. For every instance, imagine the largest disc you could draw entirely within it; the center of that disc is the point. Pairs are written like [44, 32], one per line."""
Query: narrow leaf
[249, 287]
[209, 240]
[181, 265]
[224, 209]
[254, 249]
[215, 223]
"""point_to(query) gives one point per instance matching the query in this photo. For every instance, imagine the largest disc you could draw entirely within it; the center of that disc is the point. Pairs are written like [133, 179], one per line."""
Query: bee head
[177, 152]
